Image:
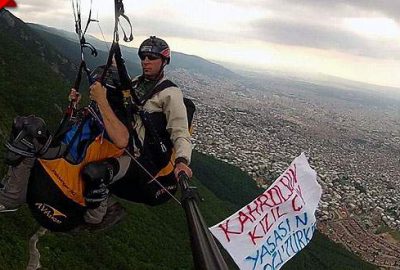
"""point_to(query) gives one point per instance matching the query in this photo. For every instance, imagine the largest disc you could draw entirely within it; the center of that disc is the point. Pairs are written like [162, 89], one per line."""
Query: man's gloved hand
[182, 167]
[94, 195]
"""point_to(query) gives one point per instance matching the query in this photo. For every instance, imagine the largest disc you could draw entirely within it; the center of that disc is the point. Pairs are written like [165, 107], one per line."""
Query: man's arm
[177, 125]
[116, 130]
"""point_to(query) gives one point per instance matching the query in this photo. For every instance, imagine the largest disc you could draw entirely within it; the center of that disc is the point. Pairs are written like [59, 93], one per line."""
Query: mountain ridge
[179, 60]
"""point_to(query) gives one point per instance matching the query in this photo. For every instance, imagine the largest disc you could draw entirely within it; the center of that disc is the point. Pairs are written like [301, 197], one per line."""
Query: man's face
[151, 65]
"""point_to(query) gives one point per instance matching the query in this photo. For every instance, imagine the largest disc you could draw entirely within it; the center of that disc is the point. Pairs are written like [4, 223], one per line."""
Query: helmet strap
[164, 63]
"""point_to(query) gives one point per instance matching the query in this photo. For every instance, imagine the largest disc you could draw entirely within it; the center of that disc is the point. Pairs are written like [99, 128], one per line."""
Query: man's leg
[96, 215]
[98, 175]
[137, 186]
[15, 185]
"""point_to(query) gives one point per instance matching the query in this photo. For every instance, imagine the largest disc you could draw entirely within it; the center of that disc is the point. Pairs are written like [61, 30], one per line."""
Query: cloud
[57, 13]
[302, 23]
[322, 37]
[43, 6]
[319, 24]
[168, 28]
[292, 24]
[244, 2]
[390, 8]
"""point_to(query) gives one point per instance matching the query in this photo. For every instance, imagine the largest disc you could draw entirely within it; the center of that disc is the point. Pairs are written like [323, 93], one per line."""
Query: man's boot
[115, 212]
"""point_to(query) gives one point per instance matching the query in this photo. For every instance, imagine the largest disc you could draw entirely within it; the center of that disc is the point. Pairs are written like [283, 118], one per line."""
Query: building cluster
[379, 250]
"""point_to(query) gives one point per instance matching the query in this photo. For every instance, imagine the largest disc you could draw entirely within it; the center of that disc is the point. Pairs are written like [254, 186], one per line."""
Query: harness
[145, 116]
[56, 188]
[157, 148]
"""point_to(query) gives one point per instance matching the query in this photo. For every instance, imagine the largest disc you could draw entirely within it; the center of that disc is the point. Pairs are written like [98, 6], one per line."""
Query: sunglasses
[150, 56]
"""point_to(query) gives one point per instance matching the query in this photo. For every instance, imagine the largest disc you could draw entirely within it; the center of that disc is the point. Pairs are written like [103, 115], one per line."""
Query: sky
[352, 39]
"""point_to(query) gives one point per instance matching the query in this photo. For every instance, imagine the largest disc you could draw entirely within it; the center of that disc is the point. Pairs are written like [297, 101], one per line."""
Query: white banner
[275, 226]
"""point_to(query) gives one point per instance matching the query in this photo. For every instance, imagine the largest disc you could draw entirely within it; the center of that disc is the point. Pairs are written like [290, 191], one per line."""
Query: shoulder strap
[190, 110]
[158, 88]
[163, 85]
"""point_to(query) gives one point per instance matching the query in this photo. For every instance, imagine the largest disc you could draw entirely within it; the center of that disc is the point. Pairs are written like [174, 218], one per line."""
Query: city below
[352, 140]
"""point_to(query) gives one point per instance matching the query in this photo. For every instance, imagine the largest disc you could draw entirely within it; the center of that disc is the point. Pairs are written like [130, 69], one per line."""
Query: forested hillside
[32, 76]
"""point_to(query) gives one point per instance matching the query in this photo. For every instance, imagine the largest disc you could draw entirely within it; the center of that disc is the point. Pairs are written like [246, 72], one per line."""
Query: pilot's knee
[100, 172]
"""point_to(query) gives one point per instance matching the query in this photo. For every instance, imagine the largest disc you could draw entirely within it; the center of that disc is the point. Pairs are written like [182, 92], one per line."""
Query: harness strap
[78, 133]
[144, 115]
[18, 151]
[157, 89]
[27, 153]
